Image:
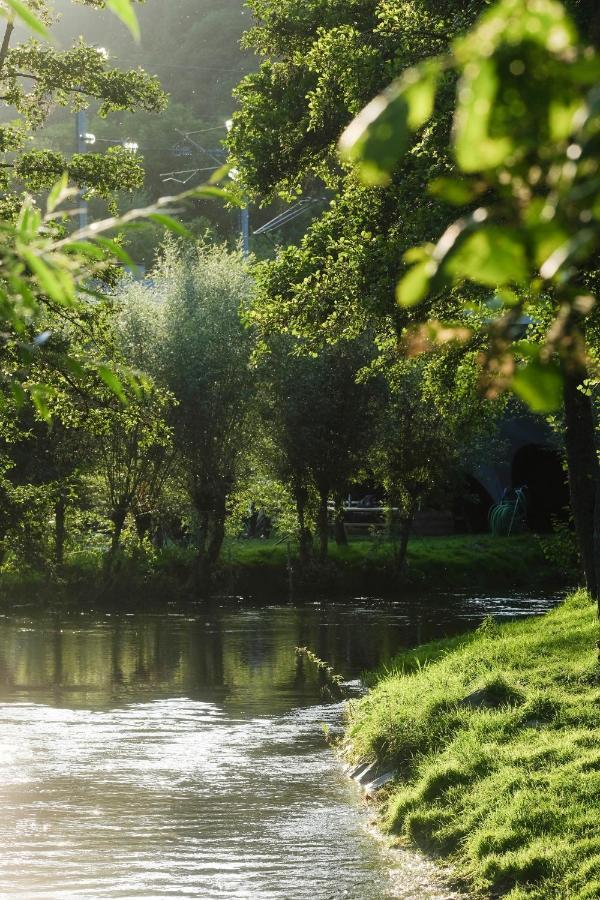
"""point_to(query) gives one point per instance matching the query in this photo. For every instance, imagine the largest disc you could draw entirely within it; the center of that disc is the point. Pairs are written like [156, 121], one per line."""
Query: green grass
[457, 561]
[509, 791]
[259, 568]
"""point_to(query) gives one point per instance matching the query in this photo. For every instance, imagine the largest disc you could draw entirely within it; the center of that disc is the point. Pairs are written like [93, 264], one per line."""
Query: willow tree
[184, 326]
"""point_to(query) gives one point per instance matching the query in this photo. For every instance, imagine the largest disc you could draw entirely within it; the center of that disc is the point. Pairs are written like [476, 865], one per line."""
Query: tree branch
[50, 84]
[10, 27]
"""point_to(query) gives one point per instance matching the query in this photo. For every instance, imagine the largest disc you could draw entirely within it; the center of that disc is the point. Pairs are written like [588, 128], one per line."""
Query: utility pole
[245, 227]
[80, 144]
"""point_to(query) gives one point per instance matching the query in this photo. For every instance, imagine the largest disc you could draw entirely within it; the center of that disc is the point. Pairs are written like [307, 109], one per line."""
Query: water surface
[181, 754]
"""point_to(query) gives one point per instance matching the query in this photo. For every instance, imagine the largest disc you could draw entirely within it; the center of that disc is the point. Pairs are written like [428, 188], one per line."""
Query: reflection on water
[182, 754]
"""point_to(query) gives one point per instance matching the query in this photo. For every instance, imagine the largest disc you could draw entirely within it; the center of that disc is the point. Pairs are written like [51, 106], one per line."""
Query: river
[181, 753]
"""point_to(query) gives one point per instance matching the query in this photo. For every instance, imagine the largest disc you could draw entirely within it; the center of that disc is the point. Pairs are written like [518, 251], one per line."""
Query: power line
[161, 65]
[190, 173]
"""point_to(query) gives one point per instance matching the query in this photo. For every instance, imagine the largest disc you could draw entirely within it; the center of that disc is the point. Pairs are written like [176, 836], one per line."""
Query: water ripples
[162, 756]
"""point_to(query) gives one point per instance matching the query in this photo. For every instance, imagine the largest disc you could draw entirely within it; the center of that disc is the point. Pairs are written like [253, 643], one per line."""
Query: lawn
[457, 561]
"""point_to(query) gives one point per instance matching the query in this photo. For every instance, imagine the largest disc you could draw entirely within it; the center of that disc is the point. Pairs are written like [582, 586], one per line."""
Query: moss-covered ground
[506, 783]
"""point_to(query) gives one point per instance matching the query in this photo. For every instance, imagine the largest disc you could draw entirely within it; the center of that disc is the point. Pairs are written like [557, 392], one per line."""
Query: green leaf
[414, 286]
[58, 193]
[49, 282]
[40, 395]
[381, 134]
[474, 147]
[73, 366]
[28, 18]
[116, 250]
[512, 22]
[18, 392]
[124, 10]
[492, 255]
[84, 248]
[456, 191]
[539, 385]
[208, 192]
[111, 380]
[171, 224]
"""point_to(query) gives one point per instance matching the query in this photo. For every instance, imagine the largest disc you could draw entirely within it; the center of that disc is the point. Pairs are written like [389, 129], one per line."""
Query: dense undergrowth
[256, 567]
[496, 740]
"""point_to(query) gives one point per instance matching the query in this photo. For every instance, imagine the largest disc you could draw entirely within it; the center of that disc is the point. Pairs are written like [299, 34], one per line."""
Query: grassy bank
[496, 740]
[266, 567]
[367, 565]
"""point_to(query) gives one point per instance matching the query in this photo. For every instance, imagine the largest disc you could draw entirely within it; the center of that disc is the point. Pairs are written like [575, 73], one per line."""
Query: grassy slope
[511, 792]
[457, 561]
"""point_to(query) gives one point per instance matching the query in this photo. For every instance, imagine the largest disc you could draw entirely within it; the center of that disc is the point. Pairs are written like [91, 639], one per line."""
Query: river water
[181, 753]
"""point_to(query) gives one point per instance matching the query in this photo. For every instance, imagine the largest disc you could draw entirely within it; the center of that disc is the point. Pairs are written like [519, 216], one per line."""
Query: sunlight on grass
[507, 784]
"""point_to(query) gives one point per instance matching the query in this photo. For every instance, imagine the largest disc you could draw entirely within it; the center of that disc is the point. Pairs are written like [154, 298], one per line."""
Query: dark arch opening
[539, 469]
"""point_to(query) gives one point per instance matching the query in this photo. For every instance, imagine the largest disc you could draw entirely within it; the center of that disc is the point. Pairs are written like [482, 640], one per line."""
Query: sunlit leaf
[124, 10]
[112, 381]
[539, 385]
[85, 249]
[208, 192]
[40, 395]
[58, 193]
[381, 134]
[116, 250]
[49, 282]
[492, 255]
[414, 286]
[220, 174]
[18, 392]
[28, 18]
[563, 114]
[543, 22]
[474, 147]
[456, 191]
[171, 224]
[73, 366]
[547, 238]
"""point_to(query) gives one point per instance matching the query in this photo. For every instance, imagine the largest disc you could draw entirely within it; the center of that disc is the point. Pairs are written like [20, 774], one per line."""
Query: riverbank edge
[484, 752]
[259, 568]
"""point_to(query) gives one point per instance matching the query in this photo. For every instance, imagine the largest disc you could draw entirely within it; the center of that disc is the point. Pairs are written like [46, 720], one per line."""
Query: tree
[321, 417]
[532, 228]
[41, 267]
[431, 430]
[132, 444]
[196, 345]
[36, 76]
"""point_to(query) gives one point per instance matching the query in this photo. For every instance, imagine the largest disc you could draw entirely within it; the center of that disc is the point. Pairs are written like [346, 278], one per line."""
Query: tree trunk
[60, 509]
[217, 533]
[404, 529]
[582, 462]
[304, 535]
[341, 538]
[323, 525]
[118, 519]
